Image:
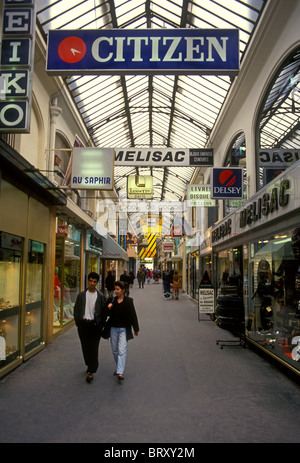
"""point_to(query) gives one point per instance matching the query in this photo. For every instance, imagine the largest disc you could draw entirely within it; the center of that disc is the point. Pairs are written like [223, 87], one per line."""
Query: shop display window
[10, 274]
[34, 294]
[229, 312]
[273, 309]
[67, 277]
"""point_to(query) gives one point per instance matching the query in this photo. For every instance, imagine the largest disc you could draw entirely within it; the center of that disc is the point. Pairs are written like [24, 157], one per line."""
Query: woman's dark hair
[120, 283]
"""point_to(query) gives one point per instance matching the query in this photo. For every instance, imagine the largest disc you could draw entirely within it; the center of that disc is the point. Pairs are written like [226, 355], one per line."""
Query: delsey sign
[16, 65]
[140, 51]
[227, 183]
[163, 157]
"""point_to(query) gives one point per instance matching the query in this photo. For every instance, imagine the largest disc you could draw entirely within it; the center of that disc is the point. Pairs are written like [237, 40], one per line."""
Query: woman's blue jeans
[118, 342]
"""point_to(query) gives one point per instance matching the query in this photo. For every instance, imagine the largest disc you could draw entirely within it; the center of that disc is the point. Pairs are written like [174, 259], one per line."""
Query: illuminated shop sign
[140, 51]
[199, 196]
[276, 201]
[222, 231]
[227, 183]
[16, 65]
[139, 187]
[163, 157]
[278, 157]
[93, 169]
[271, 201]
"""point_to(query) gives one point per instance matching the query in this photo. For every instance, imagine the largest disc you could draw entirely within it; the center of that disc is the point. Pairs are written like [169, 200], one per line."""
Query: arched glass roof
[151, 111]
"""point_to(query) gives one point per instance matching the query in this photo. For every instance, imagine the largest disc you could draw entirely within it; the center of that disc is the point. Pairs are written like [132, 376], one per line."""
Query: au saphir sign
[140, 51]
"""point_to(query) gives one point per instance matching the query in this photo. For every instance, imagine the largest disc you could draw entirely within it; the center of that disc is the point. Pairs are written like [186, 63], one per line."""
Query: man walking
[167, 283]
[90, 315]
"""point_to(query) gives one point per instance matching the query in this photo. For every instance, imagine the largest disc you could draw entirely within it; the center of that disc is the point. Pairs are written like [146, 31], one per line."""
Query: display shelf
[6, 313]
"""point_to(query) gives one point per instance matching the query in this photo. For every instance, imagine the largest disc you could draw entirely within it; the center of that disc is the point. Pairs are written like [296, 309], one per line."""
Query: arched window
[278, 124]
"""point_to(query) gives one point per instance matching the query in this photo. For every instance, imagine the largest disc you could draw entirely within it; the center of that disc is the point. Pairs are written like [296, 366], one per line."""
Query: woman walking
[122, 318]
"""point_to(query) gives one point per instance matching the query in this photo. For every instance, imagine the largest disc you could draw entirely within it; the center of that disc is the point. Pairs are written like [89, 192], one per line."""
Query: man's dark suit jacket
[79, 309]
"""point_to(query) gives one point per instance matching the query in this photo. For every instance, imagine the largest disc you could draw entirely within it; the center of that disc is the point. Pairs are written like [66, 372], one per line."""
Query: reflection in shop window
[34, 295]
[66, 279]
[10, 273]
[273, 318]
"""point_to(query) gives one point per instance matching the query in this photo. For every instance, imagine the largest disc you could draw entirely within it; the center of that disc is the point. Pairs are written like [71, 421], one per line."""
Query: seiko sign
[16, 65]
[140, 51]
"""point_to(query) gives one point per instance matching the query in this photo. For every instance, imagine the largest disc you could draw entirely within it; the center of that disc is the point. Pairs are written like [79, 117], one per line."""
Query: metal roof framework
[151, 111]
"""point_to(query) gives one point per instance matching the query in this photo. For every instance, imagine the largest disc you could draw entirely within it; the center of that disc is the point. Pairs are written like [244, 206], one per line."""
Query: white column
[55, 111]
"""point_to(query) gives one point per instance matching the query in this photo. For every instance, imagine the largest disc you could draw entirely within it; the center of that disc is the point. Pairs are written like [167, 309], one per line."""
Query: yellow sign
[150, 251]
[139, 187]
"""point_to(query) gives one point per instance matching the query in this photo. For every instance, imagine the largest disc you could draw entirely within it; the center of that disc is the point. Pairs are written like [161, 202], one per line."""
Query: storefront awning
[20, 169]
[102, 232]
[111, 250]
[76, 214]
[278, 248]
[176, 258]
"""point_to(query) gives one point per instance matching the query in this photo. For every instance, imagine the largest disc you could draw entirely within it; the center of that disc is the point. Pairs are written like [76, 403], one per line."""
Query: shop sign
[222, 231]
[206, 301]
[199, 196]
[267, 204]
[16, 63]
[139, 187]
[122, 239]
[281, 158]
[93, 169]
[168, 246]
[143, 51]
[63, 230]
[227, 183]
[275, 201]
[164, 157]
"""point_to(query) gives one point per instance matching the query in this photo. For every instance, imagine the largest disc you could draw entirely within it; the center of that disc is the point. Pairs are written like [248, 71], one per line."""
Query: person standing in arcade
[90, 316]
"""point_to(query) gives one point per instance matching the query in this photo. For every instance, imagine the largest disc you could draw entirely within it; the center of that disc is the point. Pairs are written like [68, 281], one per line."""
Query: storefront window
[10, 273]
[67, 275]
[34, 295]
[273, 314]
[229, 304]
[278, 132]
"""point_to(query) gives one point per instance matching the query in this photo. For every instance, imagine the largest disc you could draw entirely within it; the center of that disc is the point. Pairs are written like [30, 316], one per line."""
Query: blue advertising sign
[138, 51]
[226, 183]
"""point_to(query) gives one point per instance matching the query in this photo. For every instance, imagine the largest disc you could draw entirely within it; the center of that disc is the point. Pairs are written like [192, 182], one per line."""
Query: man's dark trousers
[89, 335]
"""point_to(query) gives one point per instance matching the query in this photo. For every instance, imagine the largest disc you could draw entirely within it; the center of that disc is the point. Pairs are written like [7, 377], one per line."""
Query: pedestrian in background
[109, 283]
[141, 277]
[176, 284]
[167, 283]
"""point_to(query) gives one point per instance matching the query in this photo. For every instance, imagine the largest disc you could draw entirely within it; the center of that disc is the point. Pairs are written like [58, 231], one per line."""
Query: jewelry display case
[34, 295]
[10, 273]
[67, 275]
[273, 315]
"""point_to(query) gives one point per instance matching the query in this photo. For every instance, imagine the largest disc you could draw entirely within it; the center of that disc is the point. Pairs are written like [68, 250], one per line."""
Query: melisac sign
[157, 51]
[226, 183]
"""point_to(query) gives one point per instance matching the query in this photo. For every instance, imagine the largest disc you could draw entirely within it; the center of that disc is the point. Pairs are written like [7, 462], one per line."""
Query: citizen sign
[157, 51]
